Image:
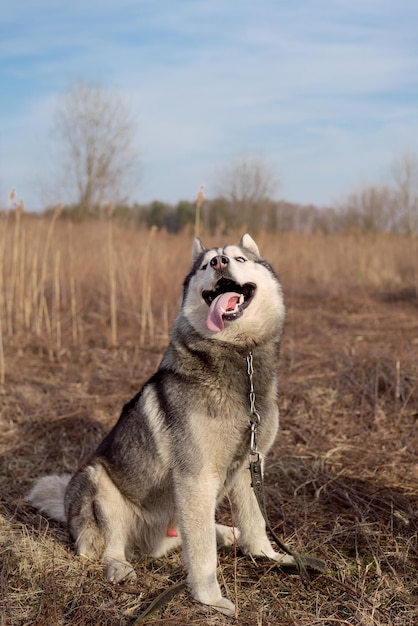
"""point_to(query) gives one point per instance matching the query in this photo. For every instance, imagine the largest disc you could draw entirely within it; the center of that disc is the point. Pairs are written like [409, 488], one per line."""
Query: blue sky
[326, 91]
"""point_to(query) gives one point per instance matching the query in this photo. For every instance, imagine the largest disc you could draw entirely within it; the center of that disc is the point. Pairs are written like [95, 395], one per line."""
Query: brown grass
[342, 480]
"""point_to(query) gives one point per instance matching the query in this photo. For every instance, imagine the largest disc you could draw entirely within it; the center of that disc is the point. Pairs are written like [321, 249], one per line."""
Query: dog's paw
[118, 570]
[223, 605]
[226, 536]
[284, 559]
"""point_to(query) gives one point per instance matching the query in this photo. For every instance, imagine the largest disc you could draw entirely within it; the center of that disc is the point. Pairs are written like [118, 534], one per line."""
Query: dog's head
[232, 294]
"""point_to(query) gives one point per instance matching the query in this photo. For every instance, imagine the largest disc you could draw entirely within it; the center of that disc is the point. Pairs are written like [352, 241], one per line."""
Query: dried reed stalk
[32, 305]
[398, 380]
[414, 245]
[13, 284]
[43, 305]
[44, 314]
[150, 316]
[3, 311]
[199, 203]
[73, 293]
[57, 300]
[20, 284]
[146, 307]
[112, 277]
[2, 362]
[166, 331]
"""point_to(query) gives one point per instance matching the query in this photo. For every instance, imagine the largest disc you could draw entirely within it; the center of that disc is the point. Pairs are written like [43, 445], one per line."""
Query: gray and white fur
[182, 442]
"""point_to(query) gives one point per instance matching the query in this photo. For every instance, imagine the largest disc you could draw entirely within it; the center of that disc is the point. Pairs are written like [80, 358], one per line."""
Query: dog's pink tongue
[224, 302]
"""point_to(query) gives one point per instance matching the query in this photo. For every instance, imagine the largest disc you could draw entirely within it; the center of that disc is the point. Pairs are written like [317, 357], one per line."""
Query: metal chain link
[254, 414]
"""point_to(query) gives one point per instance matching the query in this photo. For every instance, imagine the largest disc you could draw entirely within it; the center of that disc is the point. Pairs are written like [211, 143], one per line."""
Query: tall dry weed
[147, 318]
[112, 277]
[199, 203]
[57, 299]
[43, 305]
[75, 323]
[14, 286]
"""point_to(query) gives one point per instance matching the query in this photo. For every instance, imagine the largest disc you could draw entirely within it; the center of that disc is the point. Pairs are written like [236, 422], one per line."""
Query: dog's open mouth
[227, 302]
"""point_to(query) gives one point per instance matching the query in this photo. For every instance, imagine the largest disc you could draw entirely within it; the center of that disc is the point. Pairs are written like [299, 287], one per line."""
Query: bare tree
[405, 176]
[370, 209]
[93, 134]
[248, 183]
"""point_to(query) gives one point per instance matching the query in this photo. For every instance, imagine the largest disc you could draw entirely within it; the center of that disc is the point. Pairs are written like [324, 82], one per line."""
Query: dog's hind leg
[100, 521]
[116, 565]
[84, 519]
[118, 518]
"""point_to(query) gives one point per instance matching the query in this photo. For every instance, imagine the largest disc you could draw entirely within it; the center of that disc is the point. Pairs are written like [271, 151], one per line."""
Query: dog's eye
[204, 266]
[240, 259]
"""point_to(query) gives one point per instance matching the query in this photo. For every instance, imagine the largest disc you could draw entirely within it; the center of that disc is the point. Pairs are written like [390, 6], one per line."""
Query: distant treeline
[373, 209]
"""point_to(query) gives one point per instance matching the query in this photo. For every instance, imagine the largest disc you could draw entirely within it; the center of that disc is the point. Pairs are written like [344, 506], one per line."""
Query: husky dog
[182, 442]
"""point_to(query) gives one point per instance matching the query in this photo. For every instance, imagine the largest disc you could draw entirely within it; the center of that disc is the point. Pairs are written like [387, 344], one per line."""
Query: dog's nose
[219, 262]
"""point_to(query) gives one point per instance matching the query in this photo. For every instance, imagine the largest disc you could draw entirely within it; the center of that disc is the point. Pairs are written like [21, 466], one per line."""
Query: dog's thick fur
[182, 442]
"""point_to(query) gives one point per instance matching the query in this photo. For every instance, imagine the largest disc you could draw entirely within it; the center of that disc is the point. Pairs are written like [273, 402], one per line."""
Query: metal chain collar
[254, 414]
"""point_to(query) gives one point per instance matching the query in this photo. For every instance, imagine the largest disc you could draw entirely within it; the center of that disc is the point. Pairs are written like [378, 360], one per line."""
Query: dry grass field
[85, 311]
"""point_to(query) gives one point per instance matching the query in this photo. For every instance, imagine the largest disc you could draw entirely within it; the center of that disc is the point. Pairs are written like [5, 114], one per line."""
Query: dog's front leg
[196, 502]
[250, 521]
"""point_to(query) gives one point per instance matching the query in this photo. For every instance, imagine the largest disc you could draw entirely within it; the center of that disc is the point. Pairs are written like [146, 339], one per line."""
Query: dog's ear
[198, 249]
[248, 242]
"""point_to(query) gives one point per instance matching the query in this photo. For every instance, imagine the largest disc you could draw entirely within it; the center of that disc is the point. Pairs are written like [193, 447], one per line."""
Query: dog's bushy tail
[47, 495]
